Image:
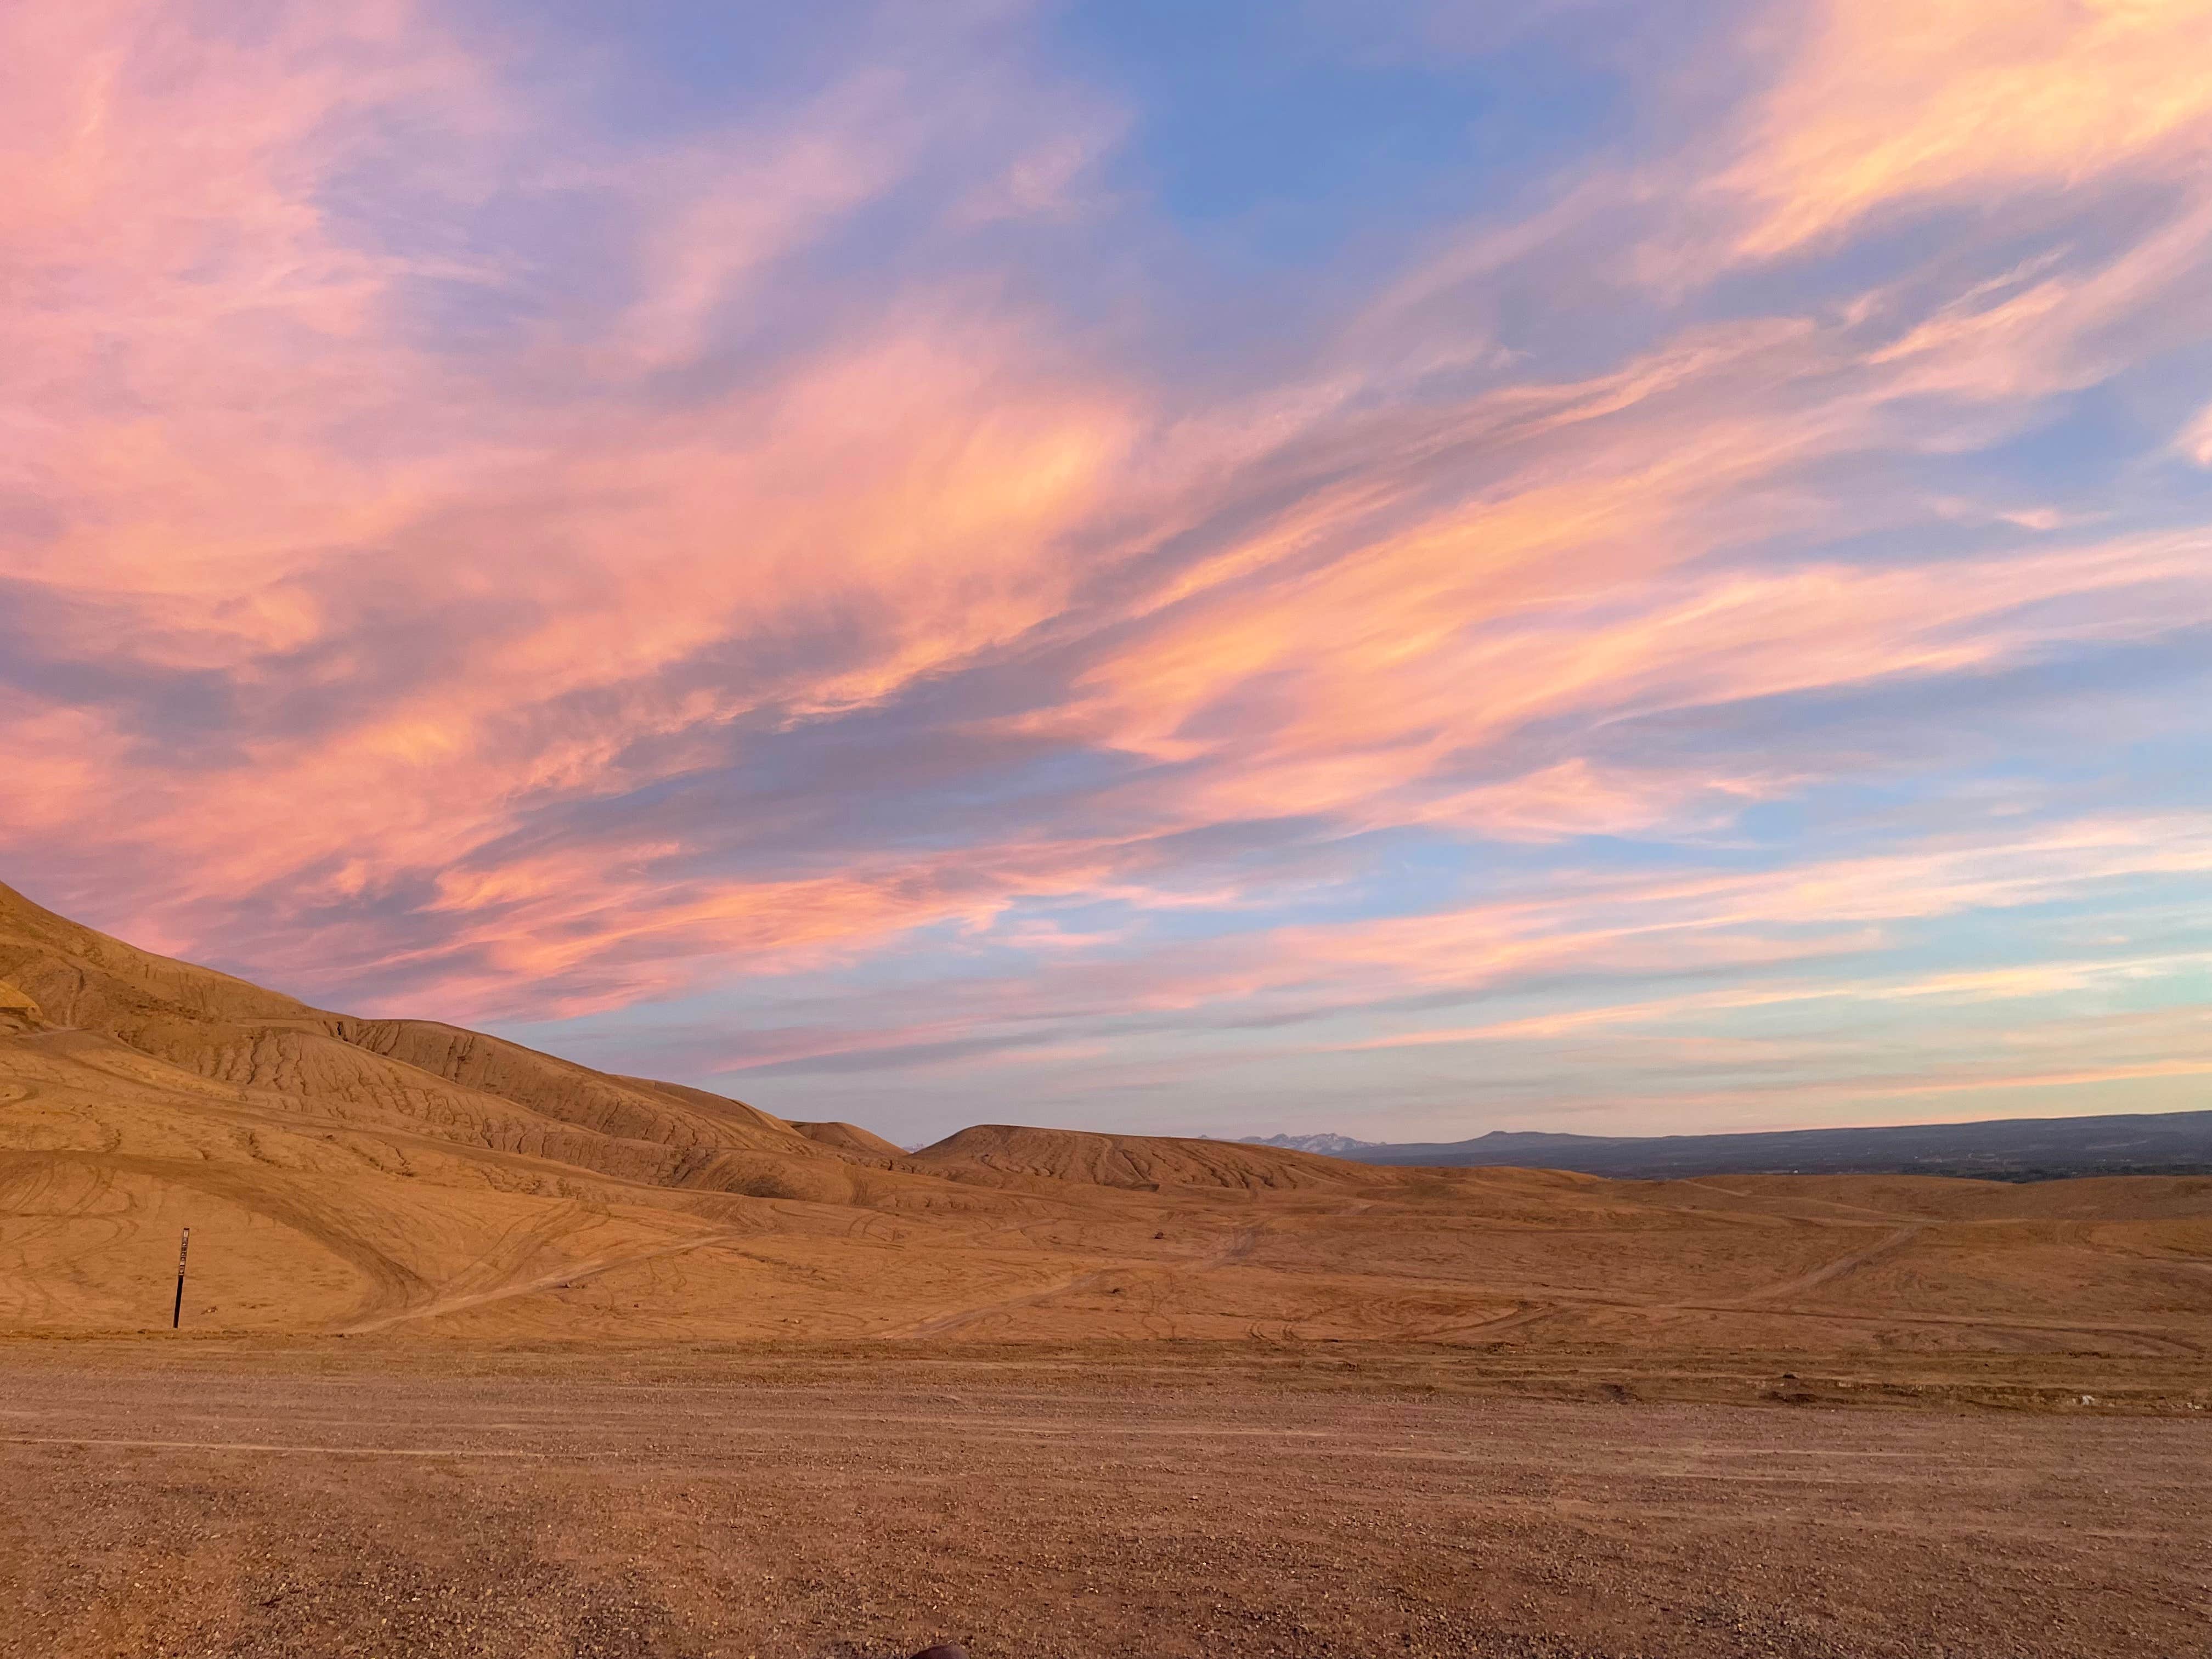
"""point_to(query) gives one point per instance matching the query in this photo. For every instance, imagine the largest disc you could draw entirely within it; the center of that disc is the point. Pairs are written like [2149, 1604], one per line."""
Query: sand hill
[1140, 1163]
[851, 1138]
[349, 1175]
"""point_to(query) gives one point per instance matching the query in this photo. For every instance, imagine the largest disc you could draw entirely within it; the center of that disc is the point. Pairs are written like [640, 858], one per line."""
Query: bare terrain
[362, 1176]
[488, 1354]
[419, 1500]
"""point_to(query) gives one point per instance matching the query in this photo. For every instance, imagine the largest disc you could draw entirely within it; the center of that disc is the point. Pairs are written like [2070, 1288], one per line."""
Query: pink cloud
[366, 612]
[1965, 97]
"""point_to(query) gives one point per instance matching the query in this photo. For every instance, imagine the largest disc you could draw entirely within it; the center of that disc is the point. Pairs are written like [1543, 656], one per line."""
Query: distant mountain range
[2012, 1149]
[1333, 1145]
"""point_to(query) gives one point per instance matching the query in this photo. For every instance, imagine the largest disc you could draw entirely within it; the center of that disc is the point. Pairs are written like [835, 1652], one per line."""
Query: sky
[1182, 566]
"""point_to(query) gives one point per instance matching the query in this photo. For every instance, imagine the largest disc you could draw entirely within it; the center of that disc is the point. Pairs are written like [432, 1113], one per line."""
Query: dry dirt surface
[417, 1499]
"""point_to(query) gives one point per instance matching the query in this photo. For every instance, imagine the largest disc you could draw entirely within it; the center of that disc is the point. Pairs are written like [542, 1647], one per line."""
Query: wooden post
[177, 1313]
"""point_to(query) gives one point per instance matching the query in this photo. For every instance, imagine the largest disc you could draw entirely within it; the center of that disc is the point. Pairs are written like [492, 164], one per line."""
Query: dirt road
[391, 1502]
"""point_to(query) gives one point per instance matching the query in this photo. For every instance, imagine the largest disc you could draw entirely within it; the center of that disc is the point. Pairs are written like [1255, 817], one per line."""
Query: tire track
[437, 1307]
[1827, 1274]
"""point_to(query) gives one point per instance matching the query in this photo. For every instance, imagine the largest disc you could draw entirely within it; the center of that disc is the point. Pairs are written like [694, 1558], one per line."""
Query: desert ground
[485, 1353]
[407, 1499]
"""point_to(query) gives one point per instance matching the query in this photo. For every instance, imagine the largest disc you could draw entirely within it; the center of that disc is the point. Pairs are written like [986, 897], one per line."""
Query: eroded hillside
[348, 1174]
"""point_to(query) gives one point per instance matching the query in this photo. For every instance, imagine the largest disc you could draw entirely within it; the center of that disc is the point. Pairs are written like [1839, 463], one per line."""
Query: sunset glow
[1202, 570]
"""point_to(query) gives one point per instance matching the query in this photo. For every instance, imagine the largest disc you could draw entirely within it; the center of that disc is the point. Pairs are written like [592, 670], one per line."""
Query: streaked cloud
[1876, 110]
[828, 561]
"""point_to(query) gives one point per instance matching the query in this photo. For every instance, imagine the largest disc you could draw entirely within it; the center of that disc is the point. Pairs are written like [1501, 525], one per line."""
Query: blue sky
[1202, 568]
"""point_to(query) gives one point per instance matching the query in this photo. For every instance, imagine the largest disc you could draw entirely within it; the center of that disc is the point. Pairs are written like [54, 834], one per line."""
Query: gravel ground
[413, 1504]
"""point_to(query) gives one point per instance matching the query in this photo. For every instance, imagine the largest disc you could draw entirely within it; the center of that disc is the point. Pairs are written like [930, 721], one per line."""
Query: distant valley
[2011, 1149]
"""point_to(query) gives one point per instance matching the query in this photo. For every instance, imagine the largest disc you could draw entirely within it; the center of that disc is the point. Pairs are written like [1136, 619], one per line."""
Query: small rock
[943, 1650]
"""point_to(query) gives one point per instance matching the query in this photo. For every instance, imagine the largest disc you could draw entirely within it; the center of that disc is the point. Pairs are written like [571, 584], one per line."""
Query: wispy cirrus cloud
[1874, 112]
[574, 524]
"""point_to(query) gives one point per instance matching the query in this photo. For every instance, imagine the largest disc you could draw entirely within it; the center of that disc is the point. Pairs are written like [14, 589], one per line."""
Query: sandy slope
[1146, 1164]
[850, 1138]
[409, 1177]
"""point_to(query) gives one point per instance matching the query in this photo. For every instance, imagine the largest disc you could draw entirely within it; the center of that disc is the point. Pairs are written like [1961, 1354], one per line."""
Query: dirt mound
[1140, 1163]
[851, 1138]
[19, 1012]
[774, 1132]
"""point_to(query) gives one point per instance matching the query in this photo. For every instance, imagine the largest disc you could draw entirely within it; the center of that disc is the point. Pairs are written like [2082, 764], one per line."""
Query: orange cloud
[268, 465]
[375, 574]
[1955, 98]
[1344, 686]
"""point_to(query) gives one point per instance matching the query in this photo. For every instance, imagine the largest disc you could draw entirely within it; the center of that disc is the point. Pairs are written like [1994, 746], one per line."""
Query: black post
[177, 1313]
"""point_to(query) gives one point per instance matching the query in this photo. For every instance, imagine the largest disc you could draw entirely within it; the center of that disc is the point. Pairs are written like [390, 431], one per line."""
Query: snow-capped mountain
[1334, 1146]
